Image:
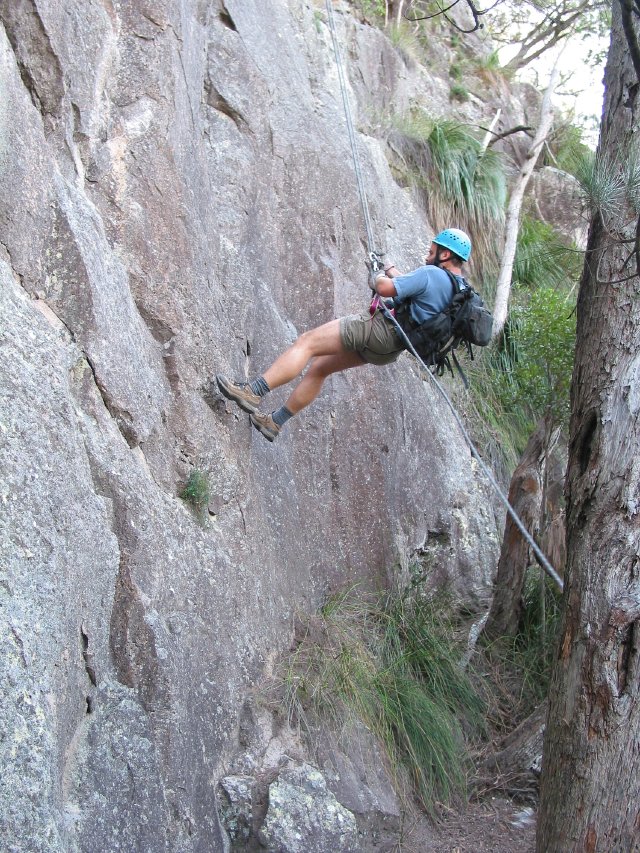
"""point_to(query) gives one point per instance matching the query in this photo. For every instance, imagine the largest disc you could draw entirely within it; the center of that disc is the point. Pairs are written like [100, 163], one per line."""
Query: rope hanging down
[540, 557]
[373, 256]
[351, 131]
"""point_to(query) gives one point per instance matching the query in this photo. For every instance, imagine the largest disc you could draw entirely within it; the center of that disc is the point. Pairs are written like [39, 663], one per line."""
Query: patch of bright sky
[581, 96]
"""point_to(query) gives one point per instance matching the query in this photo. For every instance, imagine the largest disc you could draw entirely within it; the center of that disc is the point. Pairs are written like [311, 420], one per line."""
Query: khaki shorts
[374, 338]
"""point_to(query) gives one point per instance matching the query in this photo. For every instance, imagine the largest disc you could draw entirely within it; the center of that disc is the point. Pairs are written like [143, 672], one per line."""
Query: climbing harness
[375, 265]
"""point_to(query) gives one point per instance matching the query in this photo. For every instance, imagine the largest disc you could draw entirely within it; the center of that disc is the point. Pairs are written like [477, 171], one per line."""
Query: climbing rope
[540, 557]
[374, 259]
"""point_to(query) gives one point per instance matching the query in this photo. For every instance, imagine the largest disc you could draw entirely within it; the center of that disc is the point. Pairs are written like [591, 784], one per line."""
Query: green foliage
[566, 150]
[197, 492]
[372, 8]
[488, 70]
[459, 92]
[528, 373]
[405, 40]
[462, 185]
[611, 184]
[490, 63]
[393, 664]
[538, 26]
[538, 370]
[542, 260]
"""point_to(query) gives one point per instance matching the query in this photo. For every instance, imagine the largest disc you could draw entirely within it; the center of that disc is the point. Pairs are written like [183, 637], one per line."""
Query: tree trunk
[512, 225]
[590, 790]
[525, 496]
[514, 769]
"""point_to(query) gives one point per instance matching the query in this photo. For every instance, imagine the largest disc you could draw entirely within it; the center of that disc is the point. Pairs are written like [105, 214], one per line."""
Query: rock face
[305, 817]
[176, 199]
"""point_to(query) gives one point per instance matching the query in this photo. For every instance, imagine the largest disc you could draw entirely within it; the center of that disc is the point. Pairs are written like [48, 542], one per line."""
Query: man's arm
[384, 281]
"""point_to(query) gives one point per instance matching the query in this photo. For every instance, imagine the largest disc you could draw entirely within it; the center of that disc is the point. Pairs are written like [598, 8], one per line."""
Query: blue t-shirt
[429, 288]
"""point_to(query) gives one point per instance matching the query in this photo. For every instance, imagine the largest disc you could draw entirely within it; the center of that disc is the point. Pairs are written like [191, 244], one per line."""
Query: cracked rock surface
[177, 199]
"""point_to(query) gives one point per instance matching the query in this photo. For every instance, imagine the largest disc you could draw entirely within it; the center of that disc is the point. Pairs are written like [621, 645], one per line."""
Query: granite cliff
[178, 198]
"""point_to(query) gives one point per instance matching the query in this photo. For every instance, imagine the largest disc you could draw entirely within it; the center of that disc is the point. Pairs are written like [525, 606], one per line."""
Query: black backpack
[465, 321]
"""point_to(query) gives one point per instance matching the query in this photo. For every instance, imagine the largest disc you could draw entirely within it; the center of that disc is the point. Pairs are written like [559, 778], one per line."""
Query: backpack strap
[403, 312]
[457, 287]
[460, 370]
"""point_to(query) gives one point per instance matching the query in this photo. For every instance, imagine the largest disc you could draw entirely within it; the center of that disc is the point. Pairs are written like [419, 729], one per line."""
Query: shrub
[529, 372]
[490, 73]
[404, 39]
[458, 92]
[566, 149]
[394, 665]
[519, 668]
[197, 492]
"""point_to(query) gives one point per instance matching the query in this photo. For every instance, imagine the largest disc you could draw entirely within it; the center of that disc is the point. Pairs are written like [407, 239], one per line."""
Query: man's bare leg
[322, 341]
[321, 367]
[323, 347]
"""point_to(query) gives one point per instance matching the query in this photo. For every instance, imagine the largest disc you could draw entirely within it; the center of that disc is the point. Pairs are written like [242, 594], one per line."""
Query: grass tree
[462, 182]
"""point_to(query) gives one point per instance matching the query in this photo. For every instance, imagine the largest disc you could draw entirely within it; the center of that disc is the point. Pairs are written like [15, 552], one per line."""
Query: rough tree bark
[514, 768]
[590, 791]
[525, 496]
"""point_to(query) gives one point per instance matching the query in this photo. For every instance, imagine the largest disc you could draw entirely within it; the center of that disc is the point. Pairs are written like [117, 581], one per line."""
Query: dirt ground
[495, 825]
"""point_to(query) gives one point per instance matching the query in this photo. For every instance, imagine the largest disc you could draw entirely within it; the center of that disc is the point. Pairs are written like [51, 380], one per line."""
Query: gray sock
[281, 415]
[259, 386]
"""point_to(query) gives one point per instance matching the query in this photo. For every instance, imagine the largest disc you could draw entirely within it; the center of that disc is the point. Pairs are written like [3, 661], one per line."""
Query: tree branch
[551, 30]
[520, 128]
[476, 13]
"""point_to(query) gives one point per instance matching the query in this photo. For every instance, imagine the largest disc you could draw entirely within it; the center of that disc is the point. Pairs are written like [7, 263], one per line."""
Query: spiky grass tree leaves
[461, 183]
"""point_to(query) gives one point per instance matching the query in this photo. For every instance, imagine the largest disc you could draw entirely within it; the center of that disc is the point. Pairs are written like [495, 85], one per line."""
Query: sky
[585, 82]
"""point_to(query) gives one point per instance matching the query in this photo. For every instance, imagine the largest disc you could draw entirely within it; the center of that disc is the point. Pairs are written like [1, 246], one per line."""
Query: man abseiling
[366, 338]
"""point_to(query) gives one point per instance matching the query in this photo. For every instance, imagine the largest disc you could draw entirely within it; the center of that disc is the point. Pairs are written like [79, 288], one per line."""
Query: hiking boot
[239, 392]
[266, 425]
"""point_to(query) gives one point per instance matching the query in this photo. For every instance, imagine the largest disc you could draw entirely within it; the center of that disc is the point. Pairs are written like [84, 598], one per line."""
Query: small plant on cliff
[405, 40]
[490, 70]
[374, 9]
[197, 492]
[459, 92]
[391, 663]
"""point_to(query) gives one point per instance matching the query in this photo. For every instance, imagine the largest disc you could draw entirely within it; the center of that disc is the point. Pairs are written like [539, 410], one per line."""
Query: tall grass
[543, 259]
[393, 664]
[462, 185]
[406, 41]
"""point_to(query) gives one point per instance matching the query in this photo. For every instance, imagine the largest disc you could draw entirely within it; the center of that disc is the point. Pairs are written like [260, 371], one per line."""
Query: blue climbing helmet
[455, 240]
